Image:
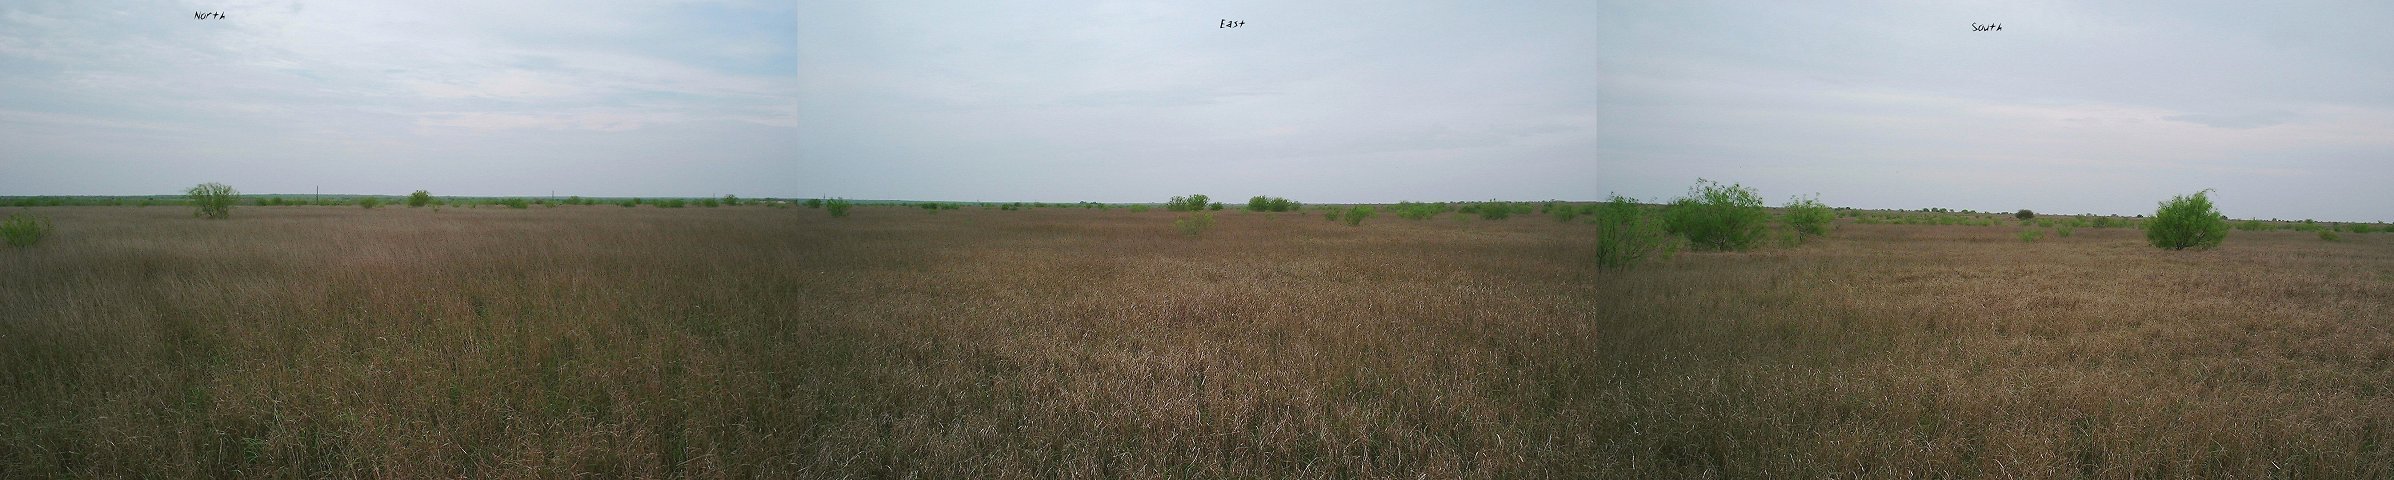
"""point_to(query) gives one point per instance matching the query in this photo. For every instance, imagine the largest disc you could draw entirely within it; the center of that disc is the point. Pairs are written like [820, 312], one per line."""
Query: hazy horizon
[2102, 108]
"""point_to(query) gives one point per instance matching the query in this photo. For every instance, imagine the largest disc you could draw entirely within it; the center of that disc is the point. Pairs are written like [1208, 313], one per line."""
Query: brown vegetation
[1925, 351]
[415, 343]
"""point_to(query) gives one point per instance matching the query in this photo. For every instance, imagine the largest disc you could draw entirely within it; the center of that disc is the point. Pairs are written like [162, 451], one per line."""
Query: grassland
[781, 342]
[1905, 351]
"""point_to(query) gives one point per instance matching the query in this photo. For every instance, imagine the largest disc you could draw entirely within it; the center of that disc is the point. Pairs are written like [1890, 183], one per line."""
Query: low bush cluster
[24, 229]
[1717, 217]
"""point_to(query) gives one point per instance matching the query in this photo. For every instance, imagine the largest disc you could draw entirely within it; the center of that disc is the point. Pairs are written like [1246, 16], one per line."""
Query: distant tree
[1808, 216]
[1717, 217]
[814, 203]
[2187, 222]
[212, 200]
[2024, 214]
[419, 199]
[732, 200]
[838, 207]
[1214, 206]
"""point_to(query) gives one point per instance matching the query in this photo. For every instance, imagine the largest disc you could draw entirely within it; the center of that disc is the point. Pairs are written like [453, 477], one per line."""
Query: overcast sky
[2104, 107]
[590, 97]
[1337, 101]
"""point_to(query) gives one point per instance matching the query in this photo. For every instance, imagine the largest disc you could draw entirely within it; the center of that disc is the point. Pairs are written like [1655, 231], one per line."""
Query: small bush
[419, 199]
[838, 207]
[1717, 217]
[518, 203]
[1563, 213]
[2024, 214]
[24, 229]
[1495, 210]
[2329, 236]
[213, 200]
[2031, 235]
[1195, 223]
[1139, 208]
[732, 200]
[2187, 222]
[1355, 216]
[1808, 216]
[2063, 230]
[1418, 211]
[1216, 206]
[814, 203]
[709, 203]
[1624, 234]
[369, 202]
[2362, 228]
[1190, 203]
[670, 203]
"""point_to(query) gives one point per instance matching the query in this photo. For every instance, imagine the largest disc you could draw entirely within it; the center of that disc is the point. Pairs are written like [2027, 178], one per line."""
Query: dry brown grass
[1909, 351]
[754, 342]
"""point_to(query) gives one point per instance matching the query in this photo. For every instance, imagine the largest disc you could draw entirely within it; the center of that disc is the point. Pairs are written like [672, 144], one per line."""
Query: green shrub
[2361, 228]
[369, 202]
[213, 200]
[732, 200]
[630, 204]
[1216, 206]
[419, 199]
[709, 203]
[2063, 230]
[1624, 233]
[2252, 225]
[1563, 214]
[513, 202]
[2187, 222]
[2031, 235]
[1190, 203]
[1418, 211]
[1138, 208]
[838, 207]
[24, 229]
[2024, 214]
[1495, 210]
[2329, 235]
[1355, 216]
[2102, 222]
[1808, 216]
[1195, 223]
[814, 203]
[1717, 217]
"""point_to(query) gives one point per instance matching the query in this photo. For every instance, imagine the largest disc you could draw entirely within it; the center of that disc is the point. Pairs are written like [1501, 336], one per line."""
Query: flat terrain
[750, 341]
[1909, 350]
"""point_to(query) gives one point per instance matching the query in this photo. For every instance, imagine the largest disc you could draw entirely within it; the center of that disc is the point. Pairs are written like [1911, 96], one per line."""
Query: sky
[1325, 102]
[2284, 109]
[588, 97]
[1322, 102]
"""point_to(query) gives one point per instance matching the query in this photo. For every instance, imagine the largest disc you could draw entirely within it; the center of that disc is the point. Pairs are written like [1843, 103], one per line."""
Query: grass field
[748, 341]
[1925, 350]
[396, 342]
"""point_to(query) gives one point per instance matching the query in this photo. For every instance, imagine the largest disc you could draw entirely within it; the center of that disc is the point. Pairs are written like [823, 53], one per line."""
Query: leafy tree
[213, 200]
[1717, 217]
[838, 207]
[1808, 216]
[2187, 222]
[1624, 233]
[2024, 214]
[419, 199]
